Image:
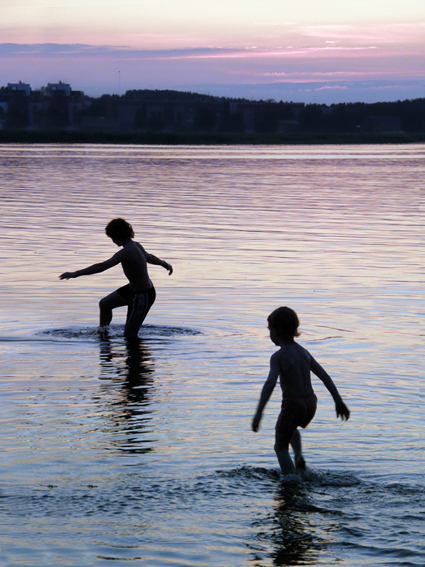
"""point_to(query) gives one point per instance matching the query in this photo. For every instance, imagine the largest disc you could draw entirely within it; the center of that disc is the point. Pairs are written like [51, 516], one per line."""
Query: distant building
[265, 115]
[287, 126]
[55, 88]
[19, 88]
[15, 100]
[97, 124]
[3, 114]
[249, 112]
[184, 115]
[127, 112]
[381, 124]
[56, 106]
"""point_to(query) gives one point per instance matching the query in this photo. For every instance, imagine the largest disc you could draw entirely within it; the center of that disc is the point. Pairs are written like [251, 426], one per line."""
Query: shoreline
[199, 139]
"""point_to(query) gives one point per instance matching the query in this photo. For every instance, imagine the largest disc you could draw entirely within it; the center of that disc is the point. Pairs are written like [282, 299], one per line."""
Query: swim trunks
[139, 303]
[296, 411]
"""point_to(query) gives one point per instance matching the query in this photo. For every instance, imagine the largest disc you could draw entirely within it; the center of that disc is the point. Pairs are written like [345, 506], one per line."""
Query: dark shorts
[296, 412]
[139, 303]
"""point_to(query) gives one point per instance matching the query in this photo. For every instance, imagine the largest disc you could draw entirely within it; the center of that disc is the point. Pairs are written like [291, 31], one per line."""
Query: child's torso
[295, 378]
[135, 267]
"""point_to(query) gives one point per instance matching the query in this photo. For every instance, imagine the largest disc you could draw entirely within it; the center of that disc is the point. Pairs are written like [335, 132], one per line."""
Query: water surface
[143, 455]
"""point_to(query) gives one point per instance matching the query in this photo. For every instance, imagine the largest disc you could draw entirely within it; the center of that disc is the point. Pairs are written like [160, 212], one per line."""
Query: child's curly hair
[284, 321]
[119, 228]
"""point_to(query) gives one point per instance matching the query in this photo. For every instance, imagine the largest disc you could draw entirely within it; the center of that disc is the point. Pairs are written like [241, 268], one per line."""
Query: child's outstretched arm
[267, 390]
[320, 372]
[95, 268]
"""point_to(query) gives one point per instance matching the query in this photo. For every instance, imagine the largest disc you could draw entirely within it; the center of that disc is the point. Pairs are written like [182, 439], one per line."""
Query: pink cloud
[382, 34]
[331, 87]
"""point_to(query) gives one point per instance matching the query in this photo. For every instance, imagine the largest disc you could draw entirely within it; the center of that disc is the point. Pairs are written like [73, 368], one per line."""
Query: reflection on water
[141, 452]
[129, 364]
[289, 537]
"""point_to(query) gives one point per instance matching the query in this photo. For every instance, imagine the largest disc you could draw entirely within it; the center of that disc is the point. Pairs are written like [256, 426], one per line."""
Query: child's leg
[106, 305]
[297, 448]
[137, 312]
[281, 448]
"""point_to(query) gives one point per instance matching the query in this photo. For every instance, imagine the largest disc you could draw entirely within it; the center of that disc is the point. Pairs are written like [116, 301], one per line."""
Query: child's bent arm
[151, 259]
[320, 372]
[326, 379]
[267, 390]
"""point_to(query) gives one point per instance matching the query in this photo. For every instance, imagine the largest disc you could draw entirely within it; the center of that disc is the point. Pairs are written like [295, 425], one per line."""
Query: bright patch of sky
[160, 23]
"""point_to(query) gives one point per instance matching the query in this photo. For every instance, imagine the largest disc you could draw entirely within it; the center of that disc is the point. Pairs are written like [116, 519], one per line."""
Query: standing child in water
[293, 364]
[139, 294]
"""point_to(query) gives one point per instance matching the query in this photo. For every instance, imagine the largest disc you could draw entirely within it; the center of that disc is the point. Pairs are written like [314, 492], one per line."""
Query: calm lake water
[116, 455]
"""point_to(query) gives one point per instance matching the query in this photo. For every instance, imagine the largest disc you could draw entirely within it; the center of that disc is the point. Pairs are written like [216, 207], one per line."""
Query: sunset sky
[303, 51]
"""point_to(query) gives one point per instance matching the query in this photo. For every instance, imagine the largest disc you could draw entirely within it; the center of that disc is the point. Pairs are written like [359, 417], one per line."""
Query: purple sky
[311, 52]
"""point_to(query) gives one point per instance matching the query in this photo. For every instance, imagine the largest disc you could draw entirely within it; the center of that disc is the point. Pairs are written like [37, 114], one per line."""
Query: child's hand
[68, 275]
[256, 422]
[342, 410]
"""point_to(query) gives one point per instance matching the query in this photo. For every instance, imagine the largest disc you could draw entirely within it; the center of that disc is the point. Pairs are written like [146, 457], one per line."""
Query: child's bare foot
[102, 332]
[300, 463]
[292, 479]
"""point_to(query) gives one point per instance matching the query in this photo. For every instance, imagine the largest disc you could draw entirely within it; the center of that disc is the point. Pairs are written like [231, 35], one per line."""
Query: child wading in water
[293, 364]
[139, 294]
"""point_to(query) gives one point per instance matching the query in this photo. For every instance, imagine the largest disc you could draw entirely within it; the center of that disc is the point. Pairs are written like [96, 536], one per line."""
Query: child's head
[284, 322]
[119, 229]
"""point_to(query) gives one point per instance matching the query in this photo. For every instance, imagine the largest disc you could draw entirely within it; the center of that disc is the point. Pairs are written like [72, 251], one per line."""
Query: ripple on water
[288, 523]
[116, 331]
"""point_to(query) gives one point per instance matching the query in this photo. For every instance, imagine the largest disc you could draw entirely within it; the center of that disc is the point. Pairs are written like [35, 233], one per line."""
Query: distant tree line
[349, 117]
[58, 107]
[268, 116]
